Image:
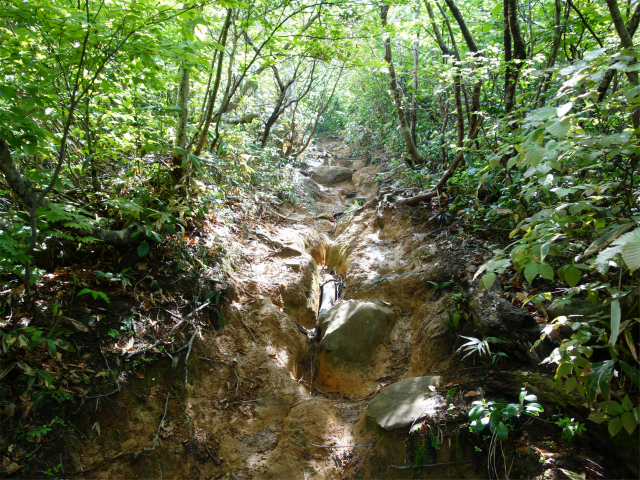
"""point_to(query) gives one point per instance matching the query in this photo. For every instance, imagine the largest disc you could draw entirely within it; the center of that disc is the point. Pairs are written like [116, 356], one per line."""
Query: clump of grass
[340, 257]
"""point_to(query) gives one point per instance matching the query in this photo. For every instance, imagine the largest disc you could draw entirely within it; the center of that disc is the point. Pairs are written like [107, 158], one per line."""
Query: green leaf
[546, 271]
[628, 422]
[615, 425]
[488, 280]
[52, 348]
[534, 154]
[598, 379]
[45, 375]
[155, 236]
[103, 296]
[570, 384]
[598, 417]
[501, 431]
[541, 114]
[630, 249]
[572, 276]
[563, 370]
[143, 249]
[84, 291]
[531, 271]
[633, 373]
[476, 412]
[627, 404]
[612, 408]
[615, 321]
[558, 128]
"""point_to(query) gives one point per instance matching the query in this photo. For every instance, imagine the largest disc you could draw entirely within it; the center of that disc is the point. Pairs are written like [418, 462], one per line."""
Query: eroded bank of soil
[258, 403]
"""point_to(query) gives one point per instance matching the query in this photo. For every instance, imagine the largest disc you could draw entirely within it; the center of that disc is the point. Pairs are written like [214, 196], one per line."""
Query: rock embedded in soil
[353, 334]
[401, 404]
[351, 330]
[332, 175]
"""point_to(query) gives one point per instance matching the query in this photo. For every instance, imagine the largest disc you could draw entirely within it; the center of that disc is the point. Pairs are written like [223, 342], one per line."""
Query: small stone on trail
[331, 175]
[401, 404]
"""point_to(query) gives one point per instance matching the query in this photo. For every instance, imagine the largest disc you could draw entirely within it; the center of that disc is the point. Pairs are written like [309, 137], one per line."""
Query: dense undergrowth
[137, 142]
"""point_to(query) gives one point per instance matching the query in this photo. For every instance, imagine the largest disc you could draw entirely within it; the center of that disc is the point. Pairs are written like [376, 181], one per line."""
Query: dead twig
[185, 319]
[406, 467]
[186, 360]
[304, 475]
[155, 440]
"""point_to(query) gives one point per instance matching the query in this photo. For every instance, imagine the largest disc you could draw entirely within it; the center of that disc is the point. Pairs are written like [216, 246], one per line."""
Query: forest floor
[253, 402]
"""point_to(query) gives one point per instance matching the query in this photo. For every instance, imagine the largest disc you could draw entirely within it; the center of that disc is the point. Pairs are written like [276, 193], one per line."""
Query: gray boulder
[331, 175]
[351, 330]
[401, 404]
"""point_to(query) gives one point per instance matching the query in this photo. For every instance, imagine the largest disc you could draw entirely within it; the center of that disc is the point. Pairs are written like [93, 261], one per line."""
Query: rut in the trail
[278, 394]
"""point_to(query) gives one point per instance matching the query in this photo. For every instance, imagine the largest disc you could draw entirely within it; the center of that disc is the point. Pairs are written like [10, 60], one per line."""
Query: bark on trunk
[216, 85]
[513, 34]
[632, 26]
[181, 124]
[398, 97]
[626, 42]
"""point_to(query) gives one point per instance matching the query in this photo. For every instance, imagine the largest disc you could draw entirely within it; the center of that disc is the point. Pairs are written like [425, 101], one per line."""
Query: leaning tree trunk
[632, 26]
[626, 42]
[216, 85]
[398, 98]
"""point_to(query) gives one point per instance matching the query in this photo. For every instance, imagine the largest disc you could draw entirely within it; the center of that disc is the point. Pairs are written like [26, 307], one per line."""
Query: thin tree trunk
[519, 54]
[559, 29]
[183, 117]
[626, 42]
[216, 84]
[632, 26]
[415, 156]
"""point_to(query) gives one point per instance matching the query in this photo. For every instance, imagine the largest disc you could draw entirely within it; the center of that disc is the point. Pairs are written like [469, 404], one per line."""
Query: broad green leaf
[531, 271]
[541, 114]
[564, 369]
[558, 128]
[615, 425]
[631, 249]
[572, 276]
[570, 384]
[155, 236]
[628, 422]
[534, 154]
[143, 249]
[599, 377]
[612, 408]
[84, 291]
[616, 315]
[627, 404]
[476, 412]
[598, 417]
[488, 280]
[546, 271]
[501, 431]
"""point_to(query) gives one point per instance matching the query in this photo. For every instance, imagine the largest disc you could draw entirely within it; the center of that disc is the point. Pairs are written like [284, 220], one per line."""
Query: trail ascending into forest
[278, 393]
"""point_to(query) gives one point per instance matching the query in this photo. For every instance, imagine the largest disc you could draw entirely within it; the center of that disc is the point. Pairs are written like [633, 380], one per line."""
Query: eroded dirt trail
[260, 403]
